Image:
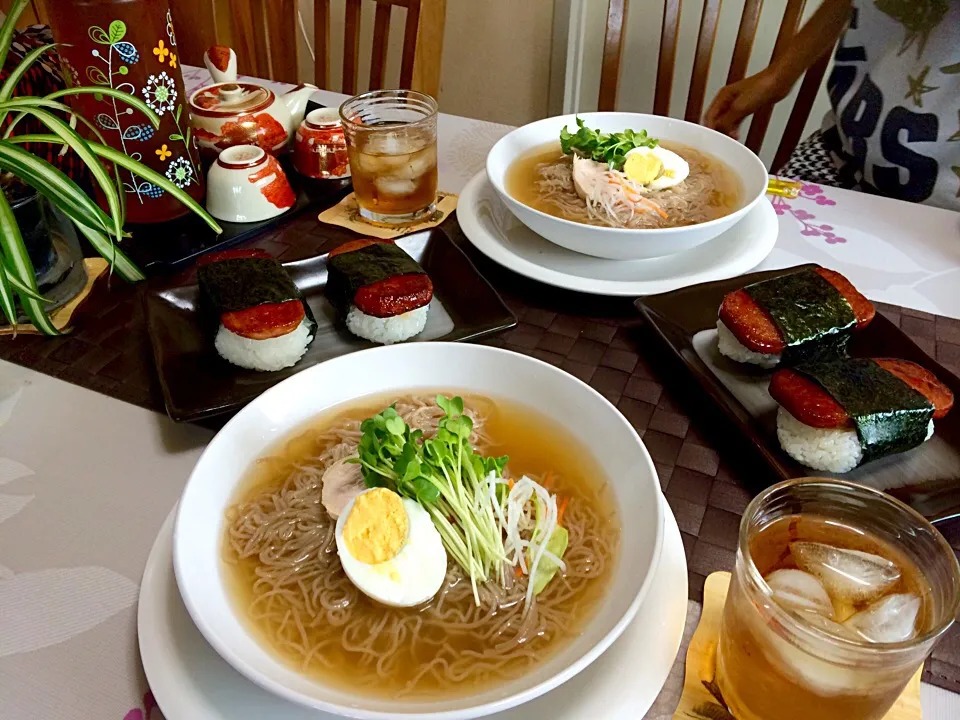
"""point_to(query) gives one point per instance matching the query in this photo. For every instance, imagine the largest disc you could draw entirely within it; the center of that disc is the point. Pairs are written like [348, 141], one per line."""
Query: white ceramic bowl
[619, 243]
[400, 368]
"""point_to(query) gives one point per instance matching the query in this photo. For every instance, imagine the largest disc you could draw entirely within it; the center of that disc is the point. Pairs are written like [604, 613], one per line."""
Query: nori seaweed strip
[243, 283]
[889, 415]
[813, 317]
[350, 271]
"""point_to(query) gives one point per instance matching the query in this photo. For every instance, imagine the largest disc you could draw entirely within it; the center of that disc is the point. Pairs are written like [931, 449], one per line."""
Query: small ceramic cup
[246, 184]
[320, 149]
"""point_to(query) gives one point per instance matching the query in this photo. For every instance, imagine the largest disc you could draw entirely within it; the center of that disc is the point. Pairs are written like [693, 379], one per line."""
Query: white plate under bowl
[471, 369]
[189, 680]
[499, 235]
[624, 243]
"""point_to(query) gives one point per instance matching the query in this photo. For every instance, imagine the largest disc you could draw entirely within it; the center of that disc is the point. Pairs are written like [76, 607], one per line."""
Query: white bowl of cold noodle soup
[686, 189]
[284, 593]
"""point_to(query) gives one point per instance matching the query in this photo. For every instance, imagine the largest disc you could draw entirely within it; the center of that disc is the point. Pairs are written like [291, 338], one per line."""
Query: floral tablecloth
[86, 481]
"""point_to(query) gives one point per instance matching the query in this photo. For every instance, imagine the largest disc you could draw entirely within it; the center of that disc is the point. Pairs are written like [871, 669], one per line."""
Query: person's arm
[735, 102]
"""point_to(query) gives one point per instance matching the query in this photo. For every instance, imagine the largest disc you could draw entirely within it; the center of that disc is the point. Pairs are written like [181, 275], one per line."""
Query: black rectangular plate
[197, 383]
[169, 246]
[927, 477]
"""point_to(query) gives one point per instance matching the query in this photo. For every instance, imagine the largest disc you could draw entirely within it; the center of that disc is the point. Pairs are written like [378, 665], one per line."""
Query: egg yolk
[377, 526]
[642, 168]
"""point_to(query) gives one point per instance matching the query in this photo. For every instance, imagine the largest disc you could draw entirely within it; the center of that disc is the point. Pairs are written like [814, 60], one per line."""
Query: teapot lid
[232, 98]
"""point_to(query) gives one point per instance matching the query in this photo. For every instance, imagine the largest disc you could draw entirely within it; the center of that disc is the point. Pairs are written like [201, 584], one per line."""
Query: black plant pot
[51, 242]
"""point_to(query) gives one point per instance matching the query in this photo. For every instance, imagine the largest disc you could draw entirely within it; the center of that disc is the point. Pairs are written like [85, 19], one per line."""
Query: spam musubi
[836, 415]
[381, 292]
[261, 319]
[802, 316]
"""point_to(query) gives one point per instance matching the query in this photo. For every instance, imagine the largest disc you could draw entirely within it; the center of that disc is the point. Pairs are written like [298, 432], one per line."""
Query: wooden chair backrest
[265, 34]
[790, 24]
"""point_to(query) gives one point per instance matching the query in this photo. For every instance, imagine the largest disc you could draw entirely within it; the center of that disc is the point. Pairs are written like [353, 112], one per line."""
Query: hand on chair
[740, 99]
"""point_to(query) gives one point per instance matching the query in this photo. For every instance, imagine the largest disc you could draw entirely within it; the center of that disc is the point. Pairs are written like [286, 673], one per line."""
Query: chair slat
[668, 56]
[788, 28]
[351, 46]
[427, 58]
[381, 37]
[612, 51]
[281, 30]
[321, 43]
[801, 111]
[701, 62]
[410, 41]
[746, 34]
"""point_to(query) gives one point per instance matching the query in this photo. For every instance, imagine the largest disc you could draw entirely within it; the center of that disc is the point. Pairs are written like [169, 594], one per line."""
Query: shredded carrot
[561, 508]
[548, 480]
[510, 483]
[517, 572]
[656, 208]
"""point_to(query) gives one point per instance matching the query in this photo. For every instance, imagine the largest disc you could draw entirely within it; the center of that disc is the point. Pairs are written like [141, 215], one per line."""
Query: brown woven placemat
[707, 474]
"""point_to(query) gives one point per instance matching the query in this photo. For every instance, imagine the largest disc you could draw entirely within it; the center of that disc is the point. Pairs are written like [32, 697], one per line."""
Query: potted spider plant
[103, 229]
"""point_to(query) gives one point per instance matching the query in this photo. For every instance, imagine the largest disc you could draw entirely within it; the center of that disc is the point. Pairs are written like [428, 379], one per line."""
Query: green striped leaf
[25, 289]
[137, 169]
[6, 297]
[6, 91]
[53, 184]
[18, 264]
[127, 98]
[104, 245]
[69, 136]
[9, 25]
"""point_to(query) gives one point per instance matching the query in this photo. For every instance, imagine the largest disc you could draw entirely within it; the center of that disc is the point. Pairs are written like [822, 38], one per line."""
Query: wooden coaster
[699, 702]
[61, 316]
[347, 214]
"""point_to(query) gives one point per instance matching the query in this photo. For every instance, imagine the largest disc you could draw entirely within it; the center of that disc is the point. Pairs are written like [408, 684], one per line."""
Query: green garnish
[443, 474]
[547, 569]
[609, 148]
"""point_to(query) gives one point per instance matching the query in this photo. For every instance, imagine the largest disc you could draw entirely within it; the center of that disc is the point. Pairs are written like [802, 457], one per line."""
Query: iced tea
[392, 146]
[838, 596]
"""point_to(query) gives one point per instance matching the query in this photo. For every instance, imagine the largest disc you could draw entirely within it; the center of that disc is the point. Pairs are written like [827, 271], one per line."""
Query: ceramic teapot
[230, 113]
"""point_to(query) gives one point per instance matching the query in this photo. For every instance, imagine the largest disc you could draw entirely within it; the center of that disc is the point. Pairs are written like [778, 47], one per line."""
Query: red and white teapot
[230, 113]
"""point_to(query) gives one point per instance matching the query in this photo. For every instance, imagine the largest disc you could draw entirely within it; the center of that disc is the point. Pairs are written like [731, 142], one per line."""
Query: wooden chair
[613, 46]
[265, 34]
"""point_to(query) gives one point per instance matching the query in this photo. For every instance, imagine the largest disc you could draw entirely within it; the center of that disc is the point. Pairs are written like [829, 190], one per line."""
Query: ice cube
[799, 590]
[893, 619]
[829, 626]
[849, 576]
[416, 164]
[390, 185]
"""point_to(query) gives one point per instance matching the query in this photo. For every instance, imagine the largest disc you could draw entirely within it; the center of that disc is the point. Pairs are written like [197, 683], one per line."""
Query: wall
[642, 45]
[496, 55]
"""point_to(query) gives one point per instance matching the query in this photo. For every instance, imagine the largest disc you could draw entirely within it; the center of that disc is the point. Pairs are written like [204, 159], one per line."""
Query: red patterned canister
[320, 150]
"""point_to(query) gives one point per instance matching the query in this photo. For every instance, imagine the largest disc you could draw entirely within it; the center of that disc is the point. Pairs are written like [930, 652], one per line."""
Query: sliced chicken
[342, 482]
[588, 175]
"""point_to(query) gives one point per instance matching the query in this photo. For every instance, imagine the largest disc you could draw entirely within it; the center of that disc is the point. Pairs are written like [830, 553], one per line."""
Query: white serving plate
[467, 368]
[621, 243]
[189, 680]
[499, 235]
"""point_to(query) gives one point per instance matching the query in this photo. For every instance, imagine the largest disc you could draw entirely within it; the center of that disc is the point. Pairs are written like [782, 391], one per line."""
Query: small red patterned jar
[320, 150]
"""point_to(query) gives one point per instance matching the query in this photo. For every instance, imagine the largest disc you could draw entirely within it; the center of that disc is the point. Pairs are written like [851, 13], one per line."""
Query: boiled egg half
[390, 549]
[655, 168]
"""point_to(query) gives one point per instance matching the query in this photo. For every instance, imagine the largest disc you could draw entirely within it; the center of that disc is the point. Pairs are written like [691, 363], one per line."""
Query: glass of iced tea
[838, 595]
[392, 146]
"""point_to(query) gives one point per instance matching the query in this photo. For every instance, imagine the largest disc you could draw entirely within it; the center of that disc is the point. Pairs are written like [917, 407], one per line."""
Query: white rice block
[835, 450]
[731, 347]
[389, 330]
[266, 355]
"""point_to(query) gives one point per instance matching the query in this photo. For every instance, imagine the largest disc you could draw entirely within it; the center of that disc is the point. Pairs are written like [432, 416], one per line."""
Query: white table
[86, 481]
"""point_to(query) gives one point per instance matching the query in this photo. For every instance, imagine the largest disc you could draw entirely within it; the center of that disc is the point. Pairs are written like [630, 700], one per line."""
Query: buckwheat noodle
[310, 612]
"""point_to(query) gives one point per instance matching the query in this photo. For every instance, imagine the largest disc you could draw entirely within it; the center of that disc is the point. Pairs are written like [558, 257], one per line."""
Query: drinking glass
[392, 146]
[795, 665]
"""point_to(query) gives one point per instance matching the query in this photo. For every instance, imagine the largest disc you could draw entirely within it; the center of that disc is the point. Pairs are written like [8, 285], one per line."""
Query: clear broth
[535, 444]
[723, 195]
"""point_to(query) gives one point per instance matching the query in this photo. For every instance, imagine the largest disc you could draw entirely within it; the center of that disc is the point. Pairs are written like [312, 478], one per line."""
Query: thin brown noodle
[697, 199]
[300, 590]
